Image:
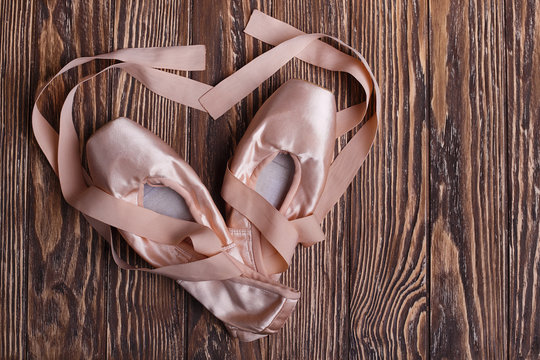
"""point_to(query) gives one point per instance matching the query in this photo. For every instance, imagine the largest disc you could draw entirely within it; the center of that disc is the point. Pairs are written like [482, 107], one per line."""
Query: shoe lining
[166, 201]
[275, 179]
[273, 184]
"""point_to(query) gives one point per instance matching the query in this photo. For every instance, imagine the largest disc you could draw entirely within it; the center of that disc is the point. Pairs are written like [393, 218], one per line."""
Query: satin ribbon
[102, 209]
[291, 42]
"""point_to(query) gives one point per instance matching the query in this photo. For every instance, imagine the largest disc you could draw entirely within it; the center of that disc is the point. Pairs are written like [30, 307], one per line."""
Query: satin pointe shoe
[284, 158]
[277, 175]
[132, 164]
[283, 178]
[139, 185]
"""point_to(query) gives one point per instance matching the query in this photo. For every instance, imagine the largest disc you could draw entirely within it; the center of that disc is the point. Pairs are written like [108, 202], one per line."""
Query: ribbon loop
[309, 230]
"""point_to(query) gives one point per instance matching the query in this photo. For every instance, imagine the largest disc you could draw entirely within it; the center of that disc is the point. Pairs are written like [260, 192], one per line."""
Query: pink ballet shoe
[132, 164]
[283, 178]
[278, 173]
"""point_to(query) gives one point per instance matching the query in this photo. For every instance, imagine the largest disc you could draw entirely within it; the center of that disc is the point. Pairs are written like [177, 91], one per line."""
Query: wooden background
[432, 253]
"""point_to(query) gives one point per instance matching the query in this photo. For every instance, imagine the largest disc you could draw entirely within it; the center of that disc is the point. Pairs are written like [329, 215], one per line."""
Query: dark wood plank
[15, 104]
[146, 312]
[318, 329]
[387, 229]
[523, 91]
[67, 261]
[219, 26]
[468, 191]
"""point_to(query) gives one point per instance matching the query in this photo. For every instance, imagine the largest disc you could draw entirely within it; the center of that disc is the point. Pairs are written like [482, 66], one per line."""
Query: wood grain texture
[16, 99]
[468, 191]
[433, 252]
[146, 312]
[67, 261]
[388, 257]
[523, 93]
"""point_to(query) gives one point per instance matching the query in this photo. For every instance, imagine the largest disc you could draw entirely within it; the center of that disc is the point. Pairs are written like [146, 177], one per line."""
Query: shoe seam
[268, 328]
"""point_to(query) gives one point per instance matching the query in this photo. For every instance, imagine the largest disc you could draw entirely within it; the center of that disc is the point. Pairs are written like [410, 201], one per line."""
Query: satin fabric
[123, 157]
[298, 120]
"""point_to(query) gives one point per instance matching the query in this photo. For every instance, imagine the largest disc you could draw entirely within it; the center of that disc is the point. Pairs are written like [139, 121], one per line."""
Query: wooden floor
[432, 253]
